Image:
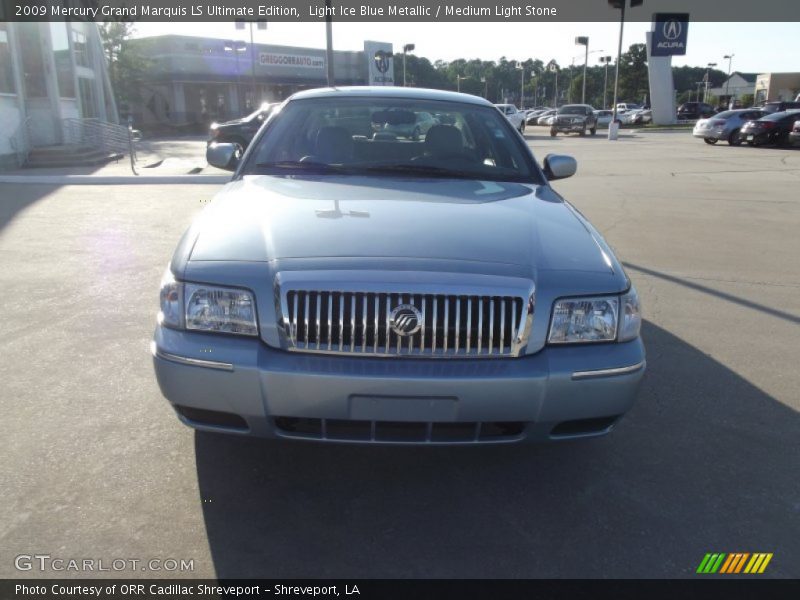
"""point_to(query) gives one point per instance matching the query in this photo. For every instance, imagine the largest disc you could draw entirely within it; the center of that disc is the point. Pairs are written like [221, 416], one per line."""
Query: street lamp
[521, 69]
[485, 83]
[620, 4]
[709, 66]
[604, 60]
[406, 48]
[236, 47]
[458, 80]
[553, 66]
[583, 41]
[729, 58]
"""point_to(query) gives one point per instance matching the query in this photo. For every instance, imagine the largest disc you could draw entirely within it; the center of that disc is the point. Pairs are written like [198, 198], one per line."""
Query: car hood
[271, 218]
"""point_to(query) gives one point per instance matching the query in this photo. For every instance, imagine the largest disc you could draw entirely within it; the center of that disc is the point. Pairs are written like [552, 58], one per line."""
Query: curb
[114, 180]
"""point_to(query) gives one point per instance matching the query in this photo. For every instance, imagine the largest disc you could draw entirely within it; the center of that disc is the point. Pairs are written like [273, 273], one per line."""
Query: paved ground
[94, 465]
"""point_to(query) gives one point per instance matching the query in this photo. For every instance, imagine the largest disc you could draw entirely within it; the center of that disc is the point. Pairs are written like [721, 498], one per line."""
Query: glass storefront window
[80, 47]
[63, 62]
[6, 70]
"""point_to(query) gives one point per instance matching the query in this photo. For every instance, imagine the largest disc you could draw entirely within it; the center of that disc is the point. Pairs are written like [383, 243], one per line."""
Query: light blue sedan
[358, 289]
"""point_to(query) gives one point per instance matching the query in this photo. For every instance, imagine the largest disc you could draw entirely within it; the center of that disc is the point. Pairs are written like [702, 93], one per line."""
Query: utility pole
[605, 60]
[406, 48]
[709, 66]
[729, 58]
[553, 66]
[329, 43]
[620, 4]
[583, 41]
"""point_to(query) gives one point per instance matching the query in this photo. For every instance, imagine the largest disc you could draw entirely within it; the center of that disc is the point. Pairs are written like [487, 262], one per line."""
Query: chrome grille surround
[464, 315]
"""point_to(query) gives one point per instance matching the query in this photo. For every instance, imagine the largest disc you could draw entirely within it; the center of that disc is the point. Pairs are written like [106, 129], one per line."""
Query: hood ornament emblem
[405, 320]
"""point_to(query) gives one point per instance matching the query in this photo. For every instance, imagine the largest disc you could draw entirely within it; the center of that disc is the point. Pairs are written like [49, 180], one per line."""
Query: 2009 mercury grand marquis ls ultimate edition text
[351, 284]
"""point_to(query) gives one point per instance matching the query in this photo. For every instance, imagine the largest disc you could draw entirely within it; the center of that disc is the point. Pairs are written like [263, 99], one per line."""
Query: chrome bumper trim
[192, 362]
[608, 372]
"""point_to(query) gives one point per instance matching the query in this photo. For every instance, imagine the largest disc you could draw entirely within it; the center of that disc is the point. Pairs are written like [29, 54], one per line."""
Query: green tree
[633, 80]
[126, 65]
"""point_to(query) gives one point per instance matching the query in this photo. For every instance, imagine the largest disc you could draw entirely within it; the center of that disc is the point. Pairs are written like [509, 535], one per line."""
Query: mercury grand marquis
[350, 285]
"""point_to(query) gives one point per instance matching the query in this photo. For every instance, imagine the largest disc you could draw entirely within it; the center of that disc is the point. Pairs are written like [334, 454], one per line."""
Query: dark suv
[574, 118]
[695, 110]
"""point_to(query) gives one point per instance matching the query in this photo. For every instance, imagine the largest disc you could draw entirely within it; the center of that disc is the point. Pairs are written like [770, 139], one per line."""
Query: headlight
[171, 301]
[584, 320]
[218, 309]
[630, 317]
[206, 308]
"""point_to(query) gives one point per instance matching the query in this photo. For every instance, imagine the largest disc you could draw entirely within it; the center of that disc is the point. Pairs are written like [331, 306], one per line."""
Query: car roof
[389, 92]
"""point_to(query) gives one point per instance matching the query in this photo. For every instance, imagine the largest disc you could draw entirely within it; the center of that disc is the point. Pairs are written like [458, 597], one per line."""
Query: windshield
[398, 136]
[572, 110]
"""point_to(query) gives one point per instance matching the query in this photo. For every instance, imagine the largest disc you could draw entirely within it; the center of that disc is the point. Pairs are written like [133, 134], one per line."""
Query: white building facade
[50, 74]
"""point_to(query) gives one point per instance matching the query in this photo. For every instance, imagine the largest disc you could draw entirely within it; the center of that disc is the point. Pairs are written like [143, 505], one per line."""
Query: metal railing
[21, 141]
[107, 137]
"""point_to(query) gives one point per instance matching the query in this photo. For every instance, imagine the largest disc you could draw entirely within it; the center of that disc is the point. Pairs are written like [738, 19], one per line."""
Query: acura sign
[669, 34]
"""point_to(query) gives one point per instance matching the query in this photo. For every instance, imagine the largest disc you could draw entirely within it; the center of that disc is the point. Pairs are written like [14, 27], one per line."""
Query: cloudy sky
[757, 46]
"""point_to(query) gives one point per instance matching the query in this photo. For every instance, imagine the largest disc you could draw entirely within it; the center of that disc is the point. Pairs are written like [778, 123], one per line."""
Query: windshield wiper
[301, 165]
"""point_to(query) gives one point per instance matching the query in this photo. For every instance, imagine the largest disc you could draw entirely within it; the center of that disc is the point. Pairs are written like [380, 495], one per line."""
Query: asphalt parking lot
[95, 465]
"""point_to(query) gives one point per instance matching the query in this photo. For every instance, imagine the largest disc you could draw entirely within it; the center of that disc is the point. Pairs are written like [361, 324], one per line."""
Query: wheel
[711, 141]
[415, 134]
[553, 133]
[593, 130]
[751, 143]
[734, 139]
[583, 133]
[522, 128]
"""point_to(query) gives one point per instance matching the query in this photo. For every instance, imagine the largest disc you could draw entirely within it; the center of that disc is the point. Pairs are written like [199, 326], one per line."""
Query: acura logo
[405, 320]
[672, 29]
[382, 61]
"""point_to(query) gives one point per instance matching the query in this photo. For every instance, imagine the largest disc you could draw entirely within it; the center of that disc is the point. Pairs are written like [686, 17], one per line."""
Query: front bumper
[571, 127]
[557, 393]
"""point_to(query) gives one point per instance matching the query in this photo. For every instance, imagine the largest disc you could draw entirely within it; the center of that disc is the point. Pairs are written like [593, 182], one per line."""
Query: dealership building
[192, 81]
[53, 82]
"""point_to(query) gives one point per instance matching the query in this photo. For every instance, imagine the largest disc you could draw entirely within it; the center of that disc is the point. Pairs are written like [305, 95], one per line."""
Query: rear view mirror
[224, 156]
[558, 166]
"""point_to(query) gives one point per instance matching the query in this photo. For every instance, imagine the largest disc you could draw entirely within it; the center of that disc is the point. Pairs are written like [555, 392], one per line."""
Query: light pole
[553, 66]
[261, 24]
[236, 47]
[406, 48]
[584, 41]
[620, 4]
[604, 60]
[458, 80]
[729, 58]
[521, 68]
[485, 83]
[709, 66]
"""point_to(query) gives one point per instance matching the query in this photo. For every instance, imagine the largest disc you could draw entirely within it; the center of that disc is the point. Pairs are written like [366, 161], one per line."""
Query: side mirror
[558, 166]
[224, 156]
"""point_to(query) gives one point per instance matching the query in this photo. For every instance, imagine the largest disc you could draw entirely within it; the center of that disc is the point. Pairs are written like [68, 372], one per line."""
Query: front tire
[593, 130]
[734, 139]
[710, 141]
[553, 132]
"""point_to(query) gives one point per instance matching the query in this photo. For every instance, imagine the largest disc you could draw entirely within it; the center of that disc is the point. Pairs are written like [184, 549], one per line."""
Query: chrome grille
[358, 322]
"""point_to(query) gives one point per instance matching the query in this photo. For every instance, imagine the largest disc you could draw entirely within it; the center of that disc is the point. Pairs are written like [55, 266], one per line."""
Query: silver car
[345, 288]
[725, 125]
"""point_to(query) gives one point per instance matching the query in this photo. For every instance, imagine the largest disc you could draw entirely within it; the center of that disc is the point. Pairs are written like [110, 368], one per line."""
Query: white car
[516, 117]
[547, 117]
[604, 117]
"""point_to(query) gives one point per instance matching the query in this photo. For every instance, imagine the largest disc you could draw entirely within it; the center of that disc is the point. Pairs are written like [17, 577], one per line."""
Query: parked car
[603, 117]
[725, 125]
[515, 117]
[779, 106]
[241, 131]
[574, 118]
[641, 116]
[422, 122]
[689, 111]
[773, 128]
[623, 107]
[547, 117]
[794, 134]
[533, 116]
[347, 289]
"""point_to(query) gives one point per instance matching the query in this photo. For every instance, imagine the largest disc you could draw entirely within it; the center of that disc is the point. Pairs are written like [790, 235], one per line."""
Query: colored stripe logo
[734, 563]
